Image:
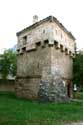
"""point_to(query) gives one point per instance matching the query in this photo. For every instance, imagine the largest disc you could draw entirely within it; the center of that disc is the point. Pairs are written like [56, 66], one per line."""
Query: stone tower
[44, 64]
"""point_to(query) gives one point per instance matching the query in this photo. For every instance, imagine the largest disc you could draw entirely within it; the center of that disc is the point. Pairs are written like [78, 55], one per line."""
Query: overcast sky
[17, 14]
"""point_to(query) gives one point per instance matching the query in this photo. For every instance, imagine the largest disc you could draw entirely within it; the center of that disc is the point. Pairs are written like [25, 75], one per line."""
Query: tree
[8, 64]
[78, 69]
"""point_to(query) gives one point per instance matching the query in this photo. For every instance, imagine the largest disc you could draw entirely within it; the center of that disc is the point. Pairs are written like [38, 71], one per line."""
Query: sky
[15, 15]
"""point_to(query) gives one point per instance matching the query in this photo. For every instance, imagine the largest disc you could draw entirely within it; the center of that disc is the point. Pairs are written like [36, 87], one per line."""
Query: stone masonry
[44, 64]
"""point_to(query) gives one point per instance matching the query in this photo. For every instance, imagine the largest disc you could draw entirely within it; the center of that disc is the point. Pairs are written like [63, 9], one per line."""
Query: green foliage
[78, 69]
[8, 63]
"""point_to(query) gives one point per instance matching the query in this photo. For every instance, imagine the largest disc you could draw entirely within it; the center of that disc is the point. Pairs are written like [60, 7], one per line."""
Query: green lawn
[15, 111]
[79, 95]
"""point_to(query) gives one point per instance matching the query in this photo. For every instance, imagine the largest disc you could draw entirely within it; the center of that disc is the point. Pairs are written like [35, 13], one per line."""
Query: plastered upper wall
[40, 33]
[47, 30]
[63, 38]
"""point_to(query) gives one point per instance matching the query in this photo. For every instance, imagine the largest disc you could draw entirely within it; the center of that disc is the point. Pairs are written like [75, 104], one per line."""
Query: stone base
[27, 88]
[48, 89]
[53, 90]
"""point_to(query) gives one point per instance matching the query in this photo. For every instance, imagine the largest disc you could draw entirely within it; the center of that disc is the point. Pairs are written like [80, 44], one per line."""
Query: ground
[15, 111]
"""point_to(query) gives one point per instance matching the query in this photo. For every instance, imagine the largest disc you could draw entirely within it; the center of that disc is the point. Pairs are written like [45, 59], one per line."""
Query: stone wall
[41, 69]
[52, 89]
[55, 84]
[62, 63]
[31, 66]
[8, 86]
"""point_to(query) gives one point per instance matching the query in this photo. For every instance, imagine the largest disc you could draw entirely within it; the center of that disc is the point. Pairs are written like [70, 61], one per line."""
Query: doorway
[69, 88]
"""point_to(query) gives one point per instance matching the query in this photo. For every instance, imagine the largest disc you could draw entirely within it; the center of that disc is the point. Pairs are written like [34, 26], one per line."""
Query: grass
[79, 95]
[14, 111]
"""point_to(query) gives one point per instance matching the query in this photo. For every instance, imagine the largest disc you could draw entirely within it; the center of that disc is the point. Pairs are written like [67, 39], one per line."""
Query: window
[43, 31]
[61, 35]
[24, 40]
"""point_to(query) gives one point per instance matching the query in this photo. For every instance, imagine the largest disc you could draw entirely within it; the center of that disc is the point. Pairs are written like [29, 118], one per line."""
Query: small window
[24, 40]
[61, 35]
[43, 31]
[25, 37]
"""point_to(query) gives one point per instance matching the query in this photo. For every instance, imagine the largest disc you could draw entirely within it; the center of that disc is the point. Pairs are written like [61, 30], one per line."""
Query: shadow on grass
[12, 95]
[8, 94]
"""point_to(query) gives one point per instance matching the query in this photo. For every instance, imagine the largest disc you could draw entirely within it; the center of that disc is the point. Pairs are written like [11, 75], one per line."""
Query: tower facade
[44, 64]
